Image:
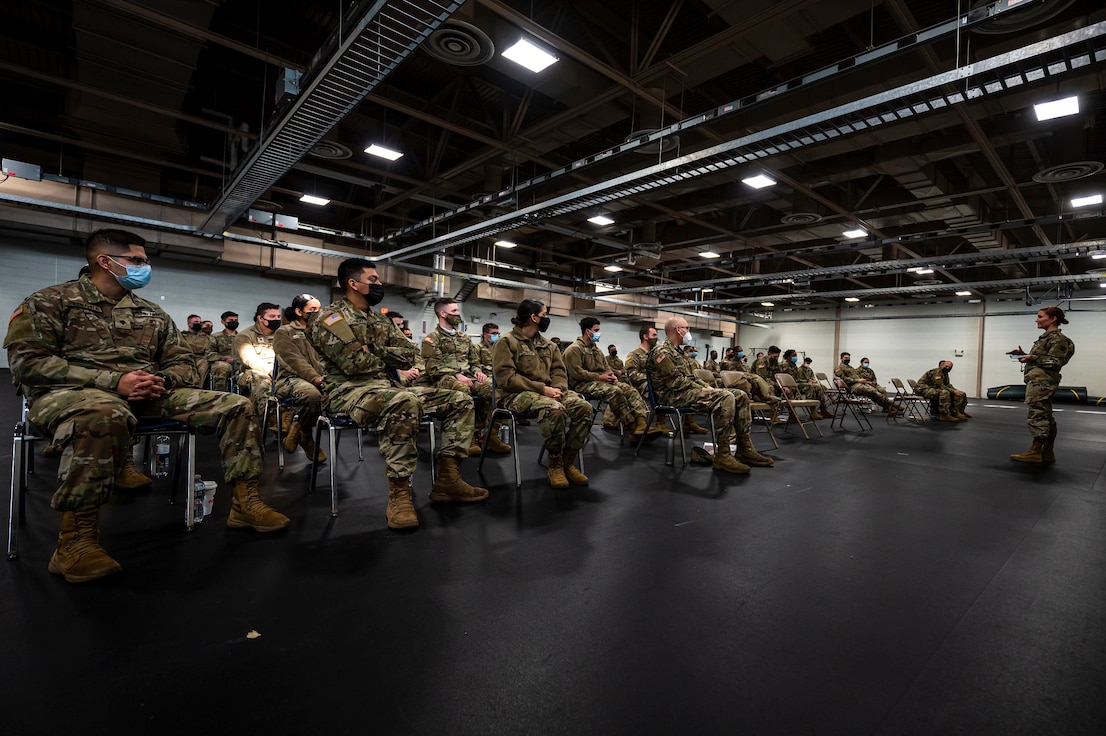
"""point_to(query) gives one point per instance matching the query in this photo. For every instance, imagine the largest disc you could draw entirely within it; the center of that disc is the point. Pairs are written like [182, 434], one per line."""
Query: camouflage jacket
[615, 363]
[196, 342]
[1050, 352]
[254, 351]
[221, 347]
[936, 378]
[767, 368]
[527, 364]
[485, 355]
[805, 374]
[636, 364]
[584, 362]
[847, 374]
[72, 336]
[867, 374]
[712, 366]
[445, 355]
[294, 353]
[358, 348]
[671, 371]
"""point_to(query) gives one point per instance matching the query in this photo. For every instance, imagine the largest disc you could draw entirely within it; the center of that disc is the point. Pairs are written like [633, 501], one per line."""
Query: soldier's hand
[553, 393]
[608, 377]
[134, 382]
[481, 377]
[409, 375]
[465, 380]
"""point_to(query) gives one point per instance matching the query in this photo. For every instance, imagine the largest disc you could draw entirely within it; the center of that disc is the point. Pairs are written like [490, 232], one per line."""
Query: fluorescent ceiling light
[852, 299]
[1057, 108]
[923, 271]
[530, 56]
[708, 254]
[869, 306]
[312, 199]
[767, 304]
[601, 220]
[1099, 255]
[857, 233]
[1102, 286]
[505, 244]
[612, 267]
[1086, 201]
[706, 290]
[383, 152]
[759, 181]
[963, 293]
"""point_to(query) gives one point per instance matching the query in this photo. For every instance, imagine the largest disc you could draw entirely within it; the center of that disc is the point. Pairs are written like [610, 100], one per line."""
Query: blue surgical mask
[694, 353]
[740, 354]
[794, 360]
[493, 338]
[863, 365]
[137, 276]
[595, 337]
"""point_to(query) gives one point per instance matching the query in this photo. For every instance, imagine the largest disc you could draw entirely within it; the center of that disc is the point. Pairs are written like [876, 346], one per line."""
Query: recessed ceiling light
[312, 199]
[1102, 286]
[612, 268]
[857, 233]
[852, 299]
[974, 301]
[760, 181]
[706, 290]
[963, 293]
[383, 152]
[505, 244]
[767, 304]
[708, 254]
[1087, 201]
[922, 271]
[1057, 108]
[1098, 255]
[530, 56]
[869, 306]
[601, 220]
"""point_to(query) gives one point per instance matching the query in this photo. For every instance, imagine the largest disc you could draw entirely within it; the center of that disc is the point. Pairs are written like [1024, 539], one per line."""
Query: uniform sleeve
[291, 356]
[243, 352]
[391, 346]
[36, 332]
[507, 376]
[573, 360]
[558, 376]
[476, 360]
[175, 361]
[1055, 355]
[434, 359]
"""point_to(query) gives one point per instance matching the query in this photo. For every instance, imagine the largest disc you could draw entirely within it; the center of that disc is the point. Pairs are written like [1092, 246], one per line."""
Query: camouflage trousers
[1038, 404]
[947, 401]
[481, 390]
[306, 398]
[564, 424]
[455, 412]
[622, 399]
[756, 387]
[202, 369]
[728, 407]
[394, 411]
[817, 393]
[258, 386]
[94, 428]
[871, 391]
[219, 370]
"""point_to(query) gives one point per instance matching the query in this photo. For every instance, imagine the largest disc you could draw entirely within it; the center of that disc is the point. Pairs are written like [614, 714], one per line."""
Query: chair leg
[280, 441]
[514, 453]
[190, 449]
[333, 462]
[648, 423]
[17, 490]
[318, 429]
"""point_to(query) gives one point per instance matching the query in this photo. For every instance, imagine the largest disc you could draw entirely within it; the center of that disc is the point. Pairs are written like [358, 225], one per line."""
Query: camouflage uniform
[805, 373]
[584, 363]
[444, 356]
[868, 390]
[360, 352]
[614, 363]
[523, 368]
[196, 343]
[767, 368]
[712, 365]
[256, 357]
[637, 362]
[675, 385]
[807, 389]
[298, 366]
[220, 355]
[934, 384]
[867, 374]
[68, 347]
[1050, 352]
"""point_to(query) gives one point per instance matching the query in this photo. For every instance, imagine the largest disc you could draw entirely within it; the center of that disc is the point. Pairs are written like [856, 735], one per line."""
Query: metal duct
[382, 33]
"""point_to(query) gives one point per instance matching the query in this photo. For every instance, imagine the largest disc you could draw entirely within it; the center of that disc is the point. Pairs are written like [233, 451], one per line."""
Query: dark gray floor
[906, 580]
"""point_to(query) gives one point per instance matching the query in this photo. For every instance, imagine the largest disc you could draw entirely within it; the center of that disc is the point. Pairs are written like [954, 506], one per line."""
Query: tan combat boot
[308, 445]
[610, 421]
[660, 427]
[450, 486]
[572, 474]
[690, 427]
[128, 477]
[639, 428]
[556, 472]
[401, 511]
[1047, 455]
[248, 510]
[816, 415]
[723, 460]
[79, 556]
[749, 454]
[948, 418]
[494, 443]
[292, 435]
[1032, 455]
[475, 450]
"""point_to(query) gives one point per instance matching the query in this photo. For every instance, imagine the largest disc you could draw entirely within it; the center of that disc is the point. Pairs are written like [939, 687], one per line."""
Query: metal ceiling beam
[380, 35]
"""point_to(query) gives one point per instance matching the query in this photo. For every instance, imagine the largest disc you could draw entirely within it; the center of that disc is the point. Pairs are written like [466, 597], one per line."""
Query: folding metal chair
[910, 402]
[848, 403]
[278, 405]
[335, 425]
[764, 413]
[675, 412]
[790, 389]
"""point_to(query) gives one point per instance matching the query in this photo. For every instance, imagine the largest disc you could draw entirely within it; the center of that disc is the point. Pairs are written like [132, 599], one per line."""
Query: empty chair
[913, 405]
[789, 395]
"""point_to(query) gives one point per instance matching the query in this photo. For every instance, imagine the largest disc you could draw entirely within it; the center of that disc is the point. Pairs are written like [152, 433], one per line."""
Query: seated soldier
[197, 343]
[91, 356]
[636, 364]
[808, 389]
[220, 352]
[935, 386]
[299, 377]
[860, 387]
[712, 365]
[590, 374]
[451, 361]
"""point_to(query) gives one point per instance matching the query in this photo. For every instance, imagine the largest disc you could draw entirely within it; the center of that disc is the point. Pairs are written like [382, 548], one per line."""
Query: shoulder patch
[429, 339]
[18, 311]
[661, 357]
[332, 319]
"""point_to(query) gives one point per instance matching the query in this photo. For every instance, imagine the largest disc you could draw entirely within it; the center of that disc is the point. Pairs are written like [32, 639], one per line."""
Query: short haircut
[393, 314]
[612, 345]
[351, 268]
[808, 360]
[439, 305]
[773, 350]
[645, 331]
[842, 355]
[787, 355]
[191, 316]
[264, 307]
[110, 241]
[225, 315]
[587, 323]
[863, 359]
[489, 326]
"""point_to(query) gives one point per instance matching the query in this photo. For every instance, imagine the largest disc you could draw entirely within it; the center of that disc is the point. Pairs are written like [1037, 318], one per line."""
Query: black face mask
[543, 325]
[272, 324]
[846, 361]
[375, 295]
[232, 324]
[946, 370]
[196, 327]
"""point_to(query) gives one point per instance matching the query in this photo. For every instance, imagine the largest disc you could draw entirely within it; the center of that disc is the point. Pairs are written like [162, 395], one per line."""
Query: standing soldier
[220, 352]
[530, 376]
[860, 387]
[591, 375]
[197, 343]
[91, 356]
[676, 386]
[361, 351]
[935, 386]
[1042, 365]
[452, 362]
[299, 376]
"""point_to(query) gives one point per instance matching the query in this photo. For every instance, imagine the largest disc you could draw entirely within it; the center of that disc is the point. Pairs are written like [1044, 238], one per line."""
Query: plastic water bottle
[203, 498]
[161, 457]
[504, 433]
